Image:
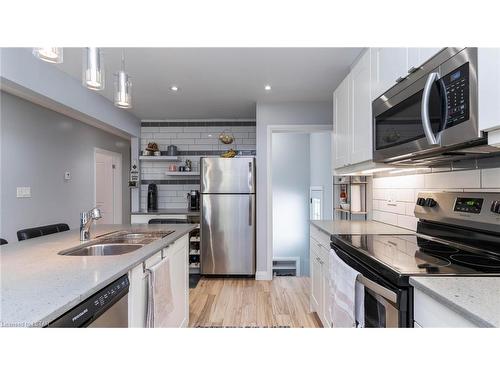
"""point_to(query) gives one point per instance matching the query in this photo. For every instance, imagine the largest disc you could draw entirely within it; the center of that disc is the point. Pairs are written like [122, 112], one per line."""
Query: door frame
[117, 183]
[321, 190]
[299, 128]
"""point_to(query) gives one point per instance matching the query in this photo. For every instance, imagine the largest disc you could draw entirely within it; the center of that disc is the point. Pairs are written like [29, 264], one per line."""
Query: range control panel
[468, 204]
[457, 95]
[477, 210]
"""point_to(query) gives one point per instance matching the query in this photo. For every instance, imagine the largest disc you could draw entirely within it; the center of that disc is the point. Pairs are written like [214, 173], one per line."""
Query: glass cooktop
[416, 255]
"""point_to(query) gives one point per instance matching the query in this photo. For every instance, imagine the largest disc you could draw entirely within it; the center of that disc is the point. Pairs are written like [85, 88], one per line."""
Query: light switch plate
[23, 192]
[67, 175]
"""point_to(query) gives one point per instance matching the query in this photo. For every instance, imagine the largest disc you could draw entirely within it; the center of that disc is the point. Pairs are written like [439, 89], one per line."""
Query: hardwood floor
[233, 302]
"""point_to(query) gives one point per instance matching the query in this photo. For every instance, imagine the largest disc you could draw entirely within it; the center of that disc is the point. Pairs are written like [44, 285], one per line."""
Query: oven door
[432, 111]
[386, 306]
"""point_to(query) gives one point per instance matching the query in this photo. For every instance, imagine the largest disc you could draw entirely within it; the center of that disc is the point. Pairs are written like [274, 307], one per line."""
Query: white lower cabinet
[430, 313]
[320, 276]
[177, 253]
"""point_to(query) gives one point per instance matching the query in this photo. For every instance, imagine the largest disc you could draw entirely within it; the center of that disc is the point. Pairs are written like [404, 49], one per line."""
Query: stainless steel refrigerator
[228, 216]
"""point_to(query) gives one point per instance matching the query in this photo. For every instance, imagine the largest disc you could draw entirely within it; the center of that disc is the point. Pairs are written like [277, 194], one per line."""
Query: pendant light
[52, 55]
[123, 88]
[93, 69]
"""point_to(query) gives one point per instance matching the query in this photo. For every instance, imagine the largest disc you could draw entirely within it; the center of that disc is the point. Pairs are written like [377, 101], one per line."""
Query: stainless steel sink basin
[118, 243]
[104, 249]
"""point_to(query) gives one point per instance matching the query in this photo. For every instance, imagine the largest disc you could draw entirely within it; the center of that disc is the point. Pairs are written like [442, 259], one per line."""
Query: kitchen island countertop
[38, 285]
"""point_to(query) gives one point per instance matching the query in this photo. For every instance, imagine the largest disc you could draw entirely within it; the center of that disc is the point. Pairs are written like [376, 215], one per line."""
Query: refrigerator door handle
[250, 216]
[250, 177]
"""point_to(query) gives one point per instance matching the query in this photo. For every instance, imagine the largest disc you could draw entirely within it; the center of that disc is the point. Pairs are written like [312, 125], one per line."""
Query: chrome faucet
[86, 219]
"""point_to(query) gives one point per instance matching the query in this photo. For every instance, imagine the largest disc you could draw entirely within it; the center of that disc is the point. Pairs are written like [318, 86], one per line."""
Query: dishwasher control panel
[94, 306]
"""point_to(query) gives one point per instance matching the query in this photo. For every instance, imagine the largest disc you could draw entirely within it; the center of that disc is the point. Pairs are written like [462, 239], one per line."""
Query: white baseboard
[263, 275]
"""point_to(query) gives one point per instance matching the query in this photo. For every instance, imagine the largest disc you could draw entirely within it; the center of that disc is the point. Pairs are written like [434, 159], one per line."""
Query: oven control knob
[495, 207]
[429, 202]
[421, 202]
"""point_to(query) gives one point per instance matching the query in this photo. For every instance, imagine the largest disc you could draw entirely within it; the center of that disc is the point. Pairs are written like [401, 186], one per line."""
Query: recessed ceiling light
[267, 87]
[174, 88]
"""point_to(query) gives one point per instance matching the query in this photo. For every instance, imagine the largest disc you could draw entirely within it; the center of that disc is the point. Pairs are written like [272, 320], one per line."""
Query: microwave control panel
[457, 94]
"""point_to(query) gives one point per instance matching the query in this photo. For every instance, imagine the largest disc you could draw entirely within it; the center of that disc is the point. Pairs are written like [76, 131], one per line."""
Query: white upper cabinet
[361, 111]
[418, 56]
[341, 133]
[488, 72]
[389, 64]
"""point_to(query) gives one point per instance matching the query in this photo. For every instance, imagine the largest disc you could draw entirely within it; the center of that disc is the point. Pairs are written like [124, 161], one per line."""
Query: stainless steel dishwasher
[108, 308]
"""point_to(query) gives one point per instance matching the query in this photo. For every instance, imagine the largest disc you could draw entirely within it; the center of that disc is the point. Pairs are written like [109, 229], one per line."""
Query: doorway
[108, 185]
[299, 164]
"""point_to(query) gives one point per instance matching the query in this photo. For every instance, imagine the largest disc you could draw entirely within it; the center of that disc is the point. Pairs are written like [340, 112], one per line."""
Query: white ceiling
[219, 82]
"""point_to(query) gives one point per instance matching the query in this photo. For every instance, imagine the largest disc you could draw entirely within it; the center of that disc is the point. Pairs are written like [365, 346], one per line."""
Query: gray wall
[268, 114]
[33, 79]
[37, 146]
[321, 172]
[290, 187]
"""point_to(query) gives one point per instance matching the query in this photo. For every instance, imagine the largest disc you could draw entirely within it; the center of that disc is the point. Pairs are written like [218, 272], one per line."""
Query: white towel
[160, 297]
[347, 295]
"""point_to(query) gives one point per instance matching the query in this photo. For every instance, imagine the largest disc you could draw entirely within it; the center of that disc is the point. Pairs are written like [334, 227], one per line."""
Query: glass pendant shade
[123, 90]
[52, 55]
[93, 69]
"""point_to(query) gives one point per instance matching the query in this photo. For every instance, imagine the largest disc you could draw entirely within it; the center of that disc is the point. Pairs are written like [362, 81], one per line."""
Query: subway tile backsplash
[394, 197]
[194, 139]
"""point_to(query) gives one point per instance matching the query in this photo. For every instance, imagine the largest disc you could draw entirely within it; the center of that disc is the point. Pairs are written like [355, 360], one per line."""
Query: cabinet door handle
[413, 69]
[400, 79]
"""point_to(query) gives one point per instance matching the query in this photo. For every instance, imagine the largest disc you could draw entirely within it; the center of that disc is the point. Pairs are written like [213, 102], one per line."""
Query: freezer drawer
[228, 234]
[227, 176]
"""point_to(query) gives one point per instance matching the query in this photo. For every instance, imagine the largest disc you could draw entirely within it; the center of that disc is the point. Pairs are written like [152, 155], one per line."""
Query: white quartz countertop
[38, 285]
[358, 227]
[475, 298]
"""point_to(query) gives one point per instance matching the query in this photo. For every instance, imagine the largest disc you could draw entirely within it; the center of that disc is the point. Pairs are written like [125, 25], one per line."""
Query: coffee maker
[193, 200]
[152, 197]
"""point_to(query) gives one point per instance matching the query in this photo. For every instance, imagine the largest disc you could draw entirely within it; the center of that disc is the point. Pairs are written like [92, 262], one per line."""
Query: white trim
[270, 129]
[117, 183]
[262, 275]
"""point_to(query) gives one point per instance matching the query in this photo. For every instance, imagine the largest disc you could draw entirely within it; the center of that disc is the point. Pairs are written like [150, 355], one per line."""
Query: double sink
[117, 243]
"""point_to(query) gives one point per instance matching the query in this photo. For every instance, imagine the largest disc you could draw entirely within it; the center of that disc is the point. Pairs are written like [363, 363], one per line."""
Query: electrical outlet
[23, 192]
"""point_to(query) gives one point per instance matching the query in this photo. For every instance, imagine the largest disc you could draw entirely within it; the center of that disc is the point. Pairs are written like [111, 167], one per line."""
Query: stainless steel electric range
[458, 234]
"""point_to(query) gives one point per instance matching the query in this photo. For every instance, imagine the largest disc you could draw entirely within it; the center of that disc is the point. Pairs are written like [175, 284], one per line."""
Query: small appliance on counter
[152, 197]
[193, 200]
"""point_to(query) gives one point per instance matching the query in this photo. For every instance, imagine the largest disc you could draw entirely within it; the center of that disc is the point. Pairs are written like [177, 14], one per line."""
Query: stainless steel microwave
[431, 116]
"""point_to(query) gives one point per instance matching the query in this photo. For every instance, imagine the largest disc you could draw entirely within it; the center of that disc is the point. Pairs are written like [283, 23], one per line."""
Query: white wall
[320, 171]
[401, 191]
[269, 114]
[37, 146]
[290, 188]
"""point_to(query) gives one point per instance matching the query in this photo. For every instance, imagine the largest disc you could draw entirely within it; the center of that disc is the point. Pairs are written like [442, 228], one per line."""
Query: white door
[340, 150]
[316, 203]
[388, 64]
[108, 186]
[417, 56]
[361, 111]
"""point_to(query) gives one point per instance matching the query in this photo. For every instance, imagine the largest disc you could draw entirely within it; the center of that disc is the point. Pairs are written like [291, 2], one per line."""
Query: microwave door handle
[426, 121]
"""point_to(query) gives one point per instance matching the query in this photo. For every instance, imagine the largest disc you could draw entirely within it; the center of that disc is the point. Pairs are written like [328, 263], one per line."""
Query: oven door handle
[424, 110]
[378, 289]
